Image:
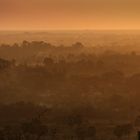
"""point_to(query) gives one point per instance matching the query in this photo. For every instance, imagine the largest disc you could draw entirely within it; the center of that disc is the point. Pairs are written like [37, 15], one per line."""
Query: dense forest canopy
[77, 86]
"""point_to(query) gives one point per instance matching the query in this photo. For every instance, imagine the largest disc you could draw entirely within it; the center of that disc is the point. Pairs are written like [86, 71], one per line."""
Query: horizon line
[43, 30]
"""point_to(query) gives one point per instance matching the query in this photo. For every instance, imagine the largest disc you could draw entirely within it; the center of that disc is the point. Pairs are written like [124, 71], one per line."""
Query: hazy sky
[69, 14]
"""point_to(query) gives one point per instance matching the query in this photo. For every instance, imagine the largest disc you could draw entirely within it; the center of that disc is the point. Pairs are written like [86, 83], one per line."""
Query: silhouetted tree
[123, 130]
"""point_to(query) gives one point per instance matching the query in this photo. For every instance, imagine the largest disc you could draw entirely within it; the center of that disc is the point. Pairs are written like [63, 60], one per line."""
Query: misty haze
[70, 85]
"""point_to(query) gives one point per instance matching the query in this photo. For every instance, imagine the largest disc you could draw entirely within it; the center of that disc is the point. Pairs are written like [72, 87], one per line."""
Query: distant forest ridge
[90, 38]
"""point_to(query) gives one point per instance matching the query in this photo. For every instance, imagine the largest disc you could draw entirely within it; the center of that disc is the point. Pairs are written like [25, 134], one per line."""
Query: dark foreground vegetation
[68, 93]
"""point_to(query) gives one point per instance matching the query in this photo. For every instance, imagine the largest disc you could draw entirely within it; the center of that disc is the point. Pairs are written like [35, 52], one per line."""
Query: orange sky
[69, 14]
